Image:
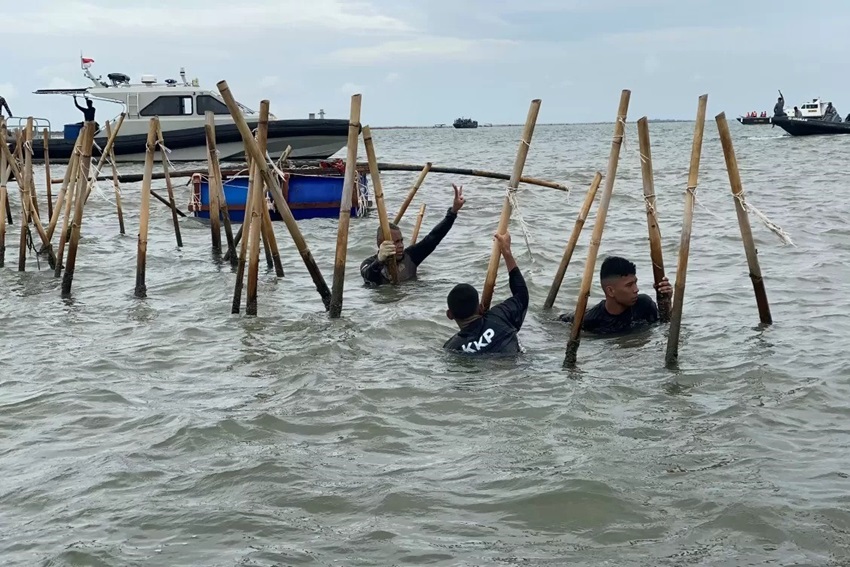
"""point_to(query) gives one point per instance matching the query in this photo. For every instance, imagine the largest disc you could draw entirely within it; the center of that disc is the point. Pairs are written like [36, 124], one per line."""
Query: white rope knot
[511, 195]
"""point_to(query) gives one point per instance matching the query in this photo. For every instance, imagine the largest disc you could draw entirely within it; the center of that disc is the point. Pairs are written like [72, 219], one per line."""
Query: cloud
[351, 89]
[7, 91]
[651, 64]
[114, 19]
[392, 77]
[428, 48]
[684, 38]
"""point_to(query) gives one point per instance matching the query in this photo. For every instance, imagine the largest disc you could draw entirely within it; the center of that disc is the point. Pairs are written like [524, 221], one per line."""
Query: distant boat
[814, 110]
[810, 127]
[465, 123]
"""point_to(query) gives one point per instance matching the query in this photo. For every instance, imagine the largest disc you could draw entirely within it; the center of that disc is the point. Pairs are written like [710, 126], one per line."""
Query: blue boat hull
[308, 197]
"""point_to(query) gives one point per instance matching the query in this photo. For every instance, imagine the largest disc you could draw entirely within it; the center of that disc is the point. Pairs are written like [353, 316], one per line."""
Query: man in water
[374, 268]
[4, 104]
[493, 332]
[624, 309]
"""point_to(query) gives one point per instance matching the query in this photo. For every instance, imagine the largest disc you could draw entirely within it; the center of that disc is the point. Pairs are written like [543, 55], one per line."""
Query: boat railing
[37, 123]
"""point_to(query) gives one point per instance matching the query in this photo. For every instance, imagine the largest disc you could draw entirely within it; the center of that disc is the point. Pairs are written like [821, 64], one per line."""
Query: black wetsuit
[88, 112]
[375, 272]
[597, 319]
[496, 332]
[4, 104]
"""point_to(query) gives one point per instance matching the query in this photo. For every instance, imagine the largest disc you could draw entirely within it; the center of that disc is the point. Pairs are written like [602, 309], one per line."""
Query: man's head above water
[619, 281]
[397, 239]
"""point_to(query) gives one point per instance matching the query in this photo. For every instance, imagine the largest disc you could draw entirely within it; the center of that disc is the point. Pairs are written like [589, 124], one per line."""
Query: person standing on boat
[830, 114]
[374, 268]
[798, 113]
[4, 104]
[779, 108]
[88, 111]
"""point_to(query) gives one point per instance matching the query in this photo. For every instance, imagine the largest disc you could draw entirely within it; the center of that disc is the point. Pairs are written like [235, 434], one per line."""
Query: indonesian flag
[85, 62]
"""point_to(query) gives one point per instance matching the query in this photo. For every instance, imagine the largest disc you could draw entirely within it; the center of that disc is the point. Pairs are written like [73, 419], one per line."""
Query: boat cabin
[814, 109]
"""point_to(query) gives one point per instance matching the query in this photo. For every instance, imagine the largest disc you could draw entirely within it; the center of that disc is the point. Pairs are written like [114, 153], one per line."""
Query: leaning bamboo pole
[598, 227]
[744, 220]
[573, 240]
[269, 240]
[412, 193]
[169, 189]
[76, 225]
[655, 250]
[116, 185]
[519, 164]
[274, 186]
[107, 150]
[685, 244]
[345, 207]
[257, 220]
[215, 177]
[69, 180]
[418, 225]
[27, 202]
[46, 135]
[4, 195]
[378, 191]
[144, 214]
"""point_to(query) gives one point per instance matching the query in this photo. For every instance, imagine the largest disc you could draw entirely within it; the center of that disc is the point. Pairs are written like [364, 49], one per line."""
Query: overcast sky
[430, 61]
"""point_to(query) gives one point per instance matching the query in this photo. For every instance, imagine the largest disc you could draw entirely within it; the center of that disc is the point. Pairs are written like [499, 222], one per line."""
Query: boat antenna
[183, 77]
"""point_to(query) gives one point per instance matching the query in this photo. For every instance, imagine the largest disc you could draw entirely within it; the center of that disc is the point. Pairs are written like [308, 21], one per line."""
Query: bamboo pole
[573, 240]
[4, 195]
[411, 193]
[76, 225]
[378, 190]
[215, 176]
[46, 134]
[418, 225]
[116, 185]
[744, 220]
[168, 187]
[253, 180]
[257, 220]
[269, 239]
[107, 150]
[519, 164]
[144, 215]
[685, 244]
[655, 251]
[283, 209]
[215, 210]
[27, 203]
[598, 226]
[70, 178]
[69, 197]
[345, 206]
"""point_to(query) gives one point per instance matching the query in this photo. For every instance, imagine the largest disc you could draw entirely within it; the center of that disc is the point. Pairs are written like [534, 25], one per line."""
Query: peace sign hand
[459, 200]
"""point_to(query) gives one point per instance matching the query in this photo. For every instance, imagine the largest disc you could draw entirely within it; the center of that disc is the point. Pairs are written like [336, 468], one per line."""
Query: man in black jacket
[374, 268]
[494, 331]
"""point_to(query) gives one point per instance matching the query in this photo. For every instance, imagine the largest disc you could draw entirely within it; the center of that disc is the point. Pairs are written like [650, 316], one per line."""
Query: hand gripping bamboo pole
[519, 164]
[76, 225]
[685, 245]
[743, 219]
[655, 250]
[345, 206]
[598, 227]
[411, 193]
[273, 185]
[378, 190]
[145, 210]
[571, 243]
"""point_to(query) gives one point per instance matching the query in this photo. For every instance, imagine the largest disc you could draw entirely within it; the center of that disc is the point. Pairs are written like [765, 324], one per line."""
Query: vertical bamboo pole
[107, 151]
[655, 250]
[116, 185]
[378, 189]
[144, 215]
[70, 195]
[254, 178]
[255, 229]
[76, 225]
[215, 217]
[7, 169]
[743, 219]
[168, 186]
[70, 178]
[49, 189]
[598, 226]
[519, 164]
[345, 207]
[253, 152]
[27, 202]
[269, 239]
[4, 195]
[573, 240]
[418, 225]
[215, 175]
[685, 244]
[412, 193]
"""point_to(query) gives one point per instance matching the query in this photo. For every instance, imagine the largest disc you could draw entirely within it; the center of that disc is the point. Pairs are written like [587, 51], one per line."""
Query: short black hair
[379, 235]
[463, 301]
[616, 266]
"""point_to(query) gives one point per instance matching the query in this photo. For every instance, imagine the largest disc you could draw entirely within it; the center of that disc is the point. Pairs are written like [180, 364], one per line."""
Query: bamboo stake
[4, 195]
[107, 150]
[27, 203]
[85, 163]
[519, 164]
[744, 220]
[411, 193]
[8, 207]
[283, 209]
[378, 189]
[418, 225]
[70, 196]
[168, 187]
[685, 244]
[215, 176]
[598, 226]
[345, 207]
[255, 229]
[46, 134]
[253, 180]
[33, 215]
[116, 185]
[573, 240]
[655, 250]
[144, 215]
[269, 239]
[70, 178]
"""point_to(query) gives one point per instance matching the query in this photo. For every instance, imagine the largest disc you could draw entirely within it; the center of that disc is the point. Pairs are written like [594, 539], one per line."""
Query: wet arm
[422, 249]
[370, 269]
